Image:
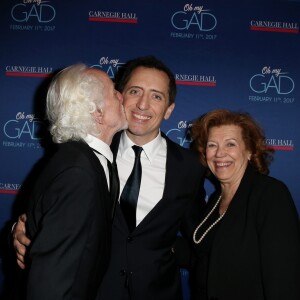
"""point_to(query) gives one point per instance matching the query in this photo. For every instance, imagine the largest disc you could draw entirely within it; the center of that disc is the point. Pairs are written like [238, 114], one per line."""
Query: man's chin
[134, 131]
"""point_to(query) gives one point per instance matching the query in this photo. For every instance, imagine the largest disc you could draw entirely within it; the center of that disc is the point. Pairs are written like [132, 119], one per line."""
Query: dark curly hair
[150, 62]
[252, 134]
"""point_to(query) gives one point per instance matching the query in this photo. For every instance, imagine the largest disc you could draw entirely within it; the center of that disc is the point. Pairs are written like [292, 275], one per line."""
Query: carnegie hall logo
[9, 188]
[272, 85]
[33, 15]
[196, 80]
[112, 16]
[28, 71]
[193, 22]
[180, 134]
[109, 65]
[274, 26]
[280, 144]
[23, 131]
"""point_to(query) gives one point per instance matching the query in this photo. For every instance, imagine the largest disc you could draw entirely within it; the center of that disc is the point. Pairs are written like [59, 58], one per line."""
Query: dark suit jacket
[143, 261]
[255, 253]
[69, 222]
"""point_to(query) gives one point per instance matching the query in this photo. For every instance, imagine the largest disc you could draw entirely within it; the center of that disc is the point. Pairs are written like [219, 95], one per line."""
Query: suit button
[129, 239]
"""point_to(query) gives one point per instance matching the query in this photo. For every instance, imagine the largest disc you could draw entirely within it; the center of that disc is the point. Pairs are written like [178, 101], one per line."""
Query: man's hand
[20, 240]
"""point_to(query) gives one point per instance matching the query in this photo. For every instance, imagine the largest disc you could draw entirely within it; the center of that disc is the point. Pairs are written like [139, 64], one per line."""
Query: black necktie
[114, 185]
[130, 194]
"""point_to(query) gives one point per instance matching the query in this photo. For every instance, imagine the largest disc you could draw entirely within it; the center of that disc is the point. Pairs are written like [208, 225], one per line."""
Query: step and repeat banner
[225, 54]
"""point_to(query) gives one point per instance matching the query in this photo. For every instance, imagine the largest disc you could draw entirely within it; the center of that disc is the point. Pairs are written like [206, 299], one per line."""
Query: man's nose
[143, 102]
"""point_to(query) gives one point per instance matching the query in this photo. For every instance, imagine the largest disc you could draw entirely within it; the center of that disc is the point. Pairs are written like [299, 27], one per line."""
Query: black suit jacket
[142, 262]
[255, 254]
[69, 222]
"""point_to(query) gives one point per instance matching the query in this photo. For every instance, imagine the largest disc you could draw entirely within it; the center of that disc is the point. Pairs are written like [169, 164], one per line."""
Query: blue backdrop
[241, 55]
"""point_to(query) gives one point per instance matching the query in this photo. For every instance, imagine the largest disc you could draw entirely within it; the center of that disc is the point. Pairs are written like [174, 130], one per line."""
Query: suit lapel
[89, 153]
[174, 159]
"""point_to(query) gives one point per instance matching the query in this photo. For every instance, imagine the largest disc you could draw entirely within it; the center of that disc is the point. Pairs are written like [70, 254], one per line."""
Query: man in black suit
[171, 196]
[70, 209]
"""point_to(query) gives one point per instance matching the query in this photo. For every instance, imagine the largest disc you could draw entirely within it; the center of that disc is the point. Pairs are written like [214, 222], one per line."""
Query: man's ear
[169, 111]
[97, 115]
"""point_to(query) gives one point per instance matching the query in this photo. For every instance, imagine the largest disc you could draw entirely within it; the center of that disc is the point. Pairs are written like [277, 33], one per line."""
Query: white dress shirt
[102, 151]
[153, 160]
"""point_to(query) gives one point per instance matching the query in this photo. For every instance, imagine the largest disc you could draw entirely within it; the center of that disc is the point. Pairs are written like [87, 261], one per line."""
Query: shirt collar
[99, 146]
[150, 149]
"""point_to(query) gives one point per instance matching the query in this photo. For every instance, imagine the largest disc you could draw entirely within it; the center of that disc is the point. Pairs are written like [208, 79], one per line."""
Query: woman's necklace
[211, 226]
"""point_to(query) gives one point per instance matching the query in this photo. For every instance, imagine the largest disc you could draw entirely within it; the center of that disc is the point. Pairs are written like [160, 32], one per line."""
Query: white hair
[72, 96]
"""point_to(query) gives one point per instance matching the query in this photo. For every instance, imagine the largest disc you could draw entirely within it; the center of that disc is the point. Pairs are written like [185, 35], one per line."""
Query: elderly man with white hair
[71, 207]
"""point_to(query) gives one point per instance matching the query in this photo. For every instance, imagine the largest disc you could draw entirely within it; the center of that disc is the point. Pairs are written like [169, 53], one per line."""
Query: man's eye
[133, 92]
